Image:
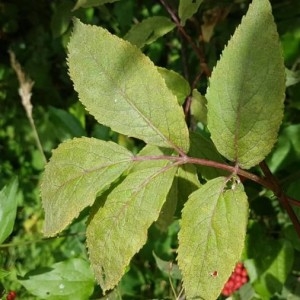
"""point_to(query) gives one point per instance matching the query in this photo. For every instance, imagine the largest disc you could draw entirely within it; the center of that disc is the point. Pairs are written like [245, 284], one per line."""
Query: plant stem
[207, 163]
[196, 49]
[25, 89]
[270, 182]
[41, 240]
[284, 200]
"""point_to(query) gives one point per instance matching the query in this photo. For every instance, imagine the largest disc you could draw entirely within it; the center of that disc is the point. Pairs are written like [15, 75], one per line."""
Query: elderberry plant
[125, 91]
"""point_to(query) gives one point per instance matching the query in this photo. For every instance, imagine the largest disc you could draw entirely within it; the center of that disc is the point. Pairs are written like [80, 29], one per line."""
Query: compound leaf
[119, 229]
[246, 92]
[122, 88]
[78, 170]
[149, 30]
[211, 238]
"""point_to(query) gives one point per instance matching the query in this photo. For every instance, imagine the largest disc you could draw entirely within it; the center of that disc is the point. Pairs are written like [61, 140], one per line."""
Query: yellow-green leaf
[211, 238]
[122, 88]
[119, 229]
[246, 92]
[78, 170]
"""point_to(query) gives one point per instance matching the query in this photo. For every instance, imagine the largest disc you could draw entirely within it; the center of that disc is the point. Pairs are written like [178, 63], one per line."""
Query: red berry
[244, 273]
[244, 280]
[11, 295]
[238, 277]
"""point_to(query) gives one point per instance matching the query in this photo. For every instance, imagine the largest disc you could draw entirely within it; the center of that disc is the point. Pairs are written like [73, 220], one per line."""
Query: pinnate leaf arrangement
[125, 91]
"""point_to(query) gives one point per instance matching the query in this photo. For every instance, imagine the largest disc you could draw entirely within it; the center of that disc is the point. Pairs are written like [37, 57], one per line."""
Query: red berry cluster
[11, 295]
[238, 277]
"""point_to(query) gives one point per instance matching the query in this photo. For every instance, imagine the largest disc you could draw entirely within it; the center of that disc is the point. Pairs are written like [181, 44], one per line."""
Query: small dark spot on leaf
[214, 274]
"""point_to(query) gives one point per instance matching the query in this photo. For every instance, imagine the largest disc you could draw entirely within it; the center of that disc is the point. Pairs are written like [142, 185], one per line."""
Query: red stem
[197, 50]
[270, 182]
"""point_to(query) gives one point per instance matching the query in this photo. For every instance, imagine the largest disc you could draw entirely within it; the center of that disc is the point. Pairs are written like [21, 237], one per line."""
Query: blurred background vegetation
[37, 32]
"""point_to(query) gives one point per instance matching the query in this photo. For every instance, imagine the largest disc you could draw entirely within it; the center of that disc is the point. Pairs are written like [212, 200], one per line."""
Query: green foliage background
[38, 33]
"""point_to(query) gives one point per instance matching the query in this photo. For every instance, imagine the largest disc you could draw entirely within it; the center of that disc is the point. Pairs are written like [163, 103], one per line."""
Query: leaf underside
[78, 170]
[246, 92]
[211, 238]
[119, 229]
[122, 88]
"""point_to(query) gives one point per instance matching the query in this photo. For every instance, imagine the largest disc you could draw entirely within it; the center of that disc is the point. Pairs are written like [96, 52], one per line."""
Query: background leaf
[149, 30]
[292, 77]
[176, 83]
[187, 8]
[61, 19]
[119, 229]
[185, 182]
[246, 92]
[287, 149]
[66, 126]
[202, 147]
[198, 107]
[122, 88]
[78, 170]
[273, 259]
[8, 209]
[278, 262]
[168, 267]
[211, 238]
[68, 280]
[91, 3]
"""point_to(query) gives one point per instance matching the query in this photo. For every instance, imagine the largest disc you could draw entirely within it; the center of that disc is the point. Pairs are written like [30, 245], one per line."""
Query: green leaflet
[272, 279]
[168, 267]
[66, 125]
[198, 107]
[176, 83]
[91, 3]
[211, 238]
[70, 279]
[202, 147]
[119, 229]
[149, 30]
[185, 182]
[273, 259]
[187, 8]
[8, 209]
[78, 170]
[61, 18]
[246, 92]
[122, 88]
[292, 77]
